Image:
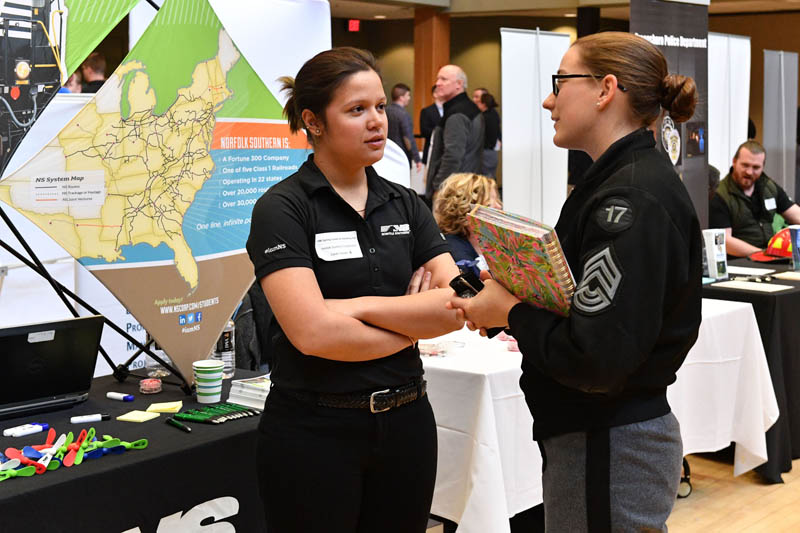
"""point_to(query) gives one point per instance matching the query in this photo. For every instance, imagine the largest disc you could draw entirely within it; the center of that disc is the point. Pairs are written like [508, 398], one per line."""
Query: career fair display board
[680, 30]
[150, 186]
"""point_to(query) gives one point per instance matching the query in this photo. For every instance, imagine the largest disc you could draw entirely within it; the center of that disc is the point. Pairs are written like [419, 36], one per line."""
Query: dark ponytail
[290, 110]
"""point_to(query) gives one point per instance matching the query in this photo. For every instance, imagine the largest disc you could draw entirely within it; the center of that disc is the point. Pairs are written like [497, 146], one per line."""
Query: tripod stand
[121, 371]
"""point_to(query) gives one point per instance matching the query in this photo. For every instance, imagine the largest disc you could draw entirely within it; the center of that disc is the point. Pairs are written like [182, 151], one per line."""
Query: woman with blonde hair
[457, 193]
[596, 380]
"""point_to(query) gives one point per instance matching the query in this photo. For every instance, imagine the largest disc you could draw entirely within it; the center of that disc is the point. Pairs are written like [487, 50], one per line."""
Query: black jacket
[457, 142]
[632, 238]
[492, 134]
[429, 118]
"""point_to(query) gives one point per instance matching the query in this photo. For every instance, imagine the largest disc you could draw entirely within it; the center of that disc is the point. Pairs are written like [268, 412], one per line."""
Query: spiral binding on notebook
[561, 269]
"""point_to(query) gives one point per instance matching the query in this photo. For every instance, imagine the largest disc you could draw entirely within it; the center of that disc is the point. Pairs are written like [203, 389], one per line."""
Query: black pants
[330, 470]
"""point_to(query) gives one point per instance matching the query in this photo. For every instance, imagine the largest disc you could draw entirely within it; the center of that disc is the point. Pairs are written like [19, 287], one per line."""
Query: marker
[89, 418]
[26, 429]
[119, 396]
[172, 422]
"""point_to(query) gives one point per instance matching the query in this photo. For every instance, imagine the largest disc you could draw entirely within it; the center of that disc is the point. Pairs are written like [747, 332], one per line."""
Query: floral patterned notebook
[525, 257]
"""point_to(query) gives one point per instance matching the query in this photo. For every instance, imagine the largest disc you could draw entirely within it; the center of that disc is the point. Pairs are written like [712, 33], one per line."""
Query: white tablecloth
[724, 393]
[489, 466]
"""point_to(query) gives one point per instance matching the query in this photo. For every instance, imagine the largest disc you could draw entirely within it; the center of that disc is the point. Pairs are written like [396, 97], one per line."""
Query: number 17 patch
[615, 214]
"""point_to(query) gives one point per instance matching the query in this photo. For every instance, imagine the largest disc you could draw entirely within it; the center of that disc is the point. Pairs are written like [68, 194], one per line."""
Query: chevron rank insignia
[601, 279]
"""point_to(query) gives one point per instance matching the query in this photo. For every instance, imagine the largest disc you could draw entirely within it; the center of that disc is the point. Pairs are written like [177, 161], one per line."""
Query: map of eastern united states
[153, 165]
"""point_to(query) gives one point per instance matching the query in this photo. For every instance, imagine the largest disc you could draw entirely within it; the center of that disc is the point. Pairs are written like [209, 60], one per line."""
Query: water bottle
[154, 368]
[225, 350]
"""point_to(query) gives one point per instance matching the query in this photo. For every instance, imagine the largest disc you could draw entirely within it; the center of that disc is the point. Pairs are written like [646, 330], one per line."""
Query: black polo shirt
[303, 222]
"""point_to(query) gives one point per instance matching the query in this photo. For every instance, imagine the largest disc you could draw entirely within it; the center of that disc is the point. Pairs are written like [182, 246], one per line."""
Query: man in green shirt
[749, 205]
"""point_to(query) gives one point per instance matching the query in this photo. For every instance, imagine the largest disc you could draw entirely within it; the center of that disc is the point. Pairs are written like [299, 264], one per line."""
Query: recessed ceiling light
[380, 16]
[570, 15]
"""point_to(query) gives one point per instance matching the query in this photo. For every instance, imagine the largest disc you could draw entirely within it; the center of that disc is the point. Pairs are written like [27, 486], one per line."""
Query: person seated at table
[450, 210]
[347, 439]
[749, 205]
[596, 380]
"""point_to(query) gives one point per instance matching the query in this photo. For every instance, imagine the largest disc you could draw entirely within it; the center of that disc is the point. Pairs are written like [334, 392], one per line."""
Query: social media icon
[182, 320]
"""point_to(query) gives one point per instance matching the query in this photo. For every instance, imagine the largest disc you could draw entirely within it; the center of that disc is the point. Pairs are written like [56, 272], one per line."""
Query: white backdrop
[780, 117]
[728, 97]
[534, 169]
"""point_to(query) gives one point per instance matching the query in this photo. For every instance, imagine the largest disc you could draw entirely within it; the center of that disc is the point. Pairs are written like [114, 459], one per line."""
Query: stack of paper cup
[208, 379]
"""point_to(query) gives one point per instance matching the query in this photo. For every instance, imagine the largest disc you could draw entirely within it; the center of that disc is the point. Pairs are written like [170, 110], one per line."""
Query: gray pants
[617, 479]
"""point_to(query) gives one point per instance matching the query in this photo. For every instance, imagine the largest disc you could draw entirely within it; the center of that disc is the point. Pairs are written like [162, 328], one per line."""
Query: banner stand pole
[121, 371]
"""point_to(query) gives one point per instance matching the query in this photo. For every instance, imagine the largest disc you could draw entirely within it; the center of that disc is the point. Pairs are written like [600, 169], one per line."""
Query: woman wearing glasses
[596, 381]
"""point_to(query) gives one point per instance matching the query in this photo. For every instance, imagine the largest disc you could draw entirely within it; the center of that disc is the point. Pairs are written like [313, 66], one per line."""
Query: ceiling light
[570, 15]
[380, 16]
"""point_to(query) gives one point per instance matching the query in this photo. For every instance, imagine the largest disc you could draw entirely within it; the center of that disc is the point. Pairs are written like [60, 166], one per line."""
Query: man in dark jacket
[429, 118]
[457, 142]
[749, 205]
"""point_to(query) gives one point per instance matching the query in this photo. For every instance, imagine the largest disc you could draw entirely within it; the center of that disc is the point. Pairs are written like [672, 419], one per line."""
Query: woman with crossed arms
[347, 439]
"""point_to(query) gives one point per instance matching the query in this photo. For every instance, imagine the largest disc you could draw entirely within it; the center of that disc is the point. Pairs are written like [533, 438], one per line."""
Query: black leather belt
[376, 402]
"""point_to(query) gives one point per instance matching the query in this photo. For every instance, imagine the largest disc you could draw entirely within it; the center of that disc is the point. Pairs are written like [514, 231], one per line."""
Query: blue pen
[119, 396]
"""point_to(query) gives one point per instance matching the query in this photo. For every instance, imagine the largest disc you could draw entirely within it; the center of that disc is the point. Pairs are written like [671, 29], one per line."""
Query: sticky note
[165, 407]
[137, 416]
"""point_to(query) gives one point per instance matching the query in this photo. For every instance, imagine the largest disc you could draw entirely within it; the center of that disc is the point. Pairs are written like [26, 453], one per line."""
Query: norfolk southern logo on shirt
[395, 229]
[275, 248]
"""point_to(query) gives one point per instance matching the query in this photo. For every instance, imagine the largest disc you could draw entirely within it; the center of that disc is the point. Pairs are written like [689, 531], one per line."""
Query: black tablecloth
[777, 314]
[180, 481]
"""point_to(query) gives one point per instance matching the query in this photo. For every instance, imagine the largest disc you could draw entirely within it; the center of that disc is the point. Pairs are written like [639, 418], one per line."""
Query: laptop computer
[47, 366]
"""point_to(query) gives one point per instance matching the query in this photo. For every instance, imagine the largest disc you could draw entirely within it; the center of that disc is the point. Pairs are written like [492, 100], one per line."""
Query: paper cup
[207, 375]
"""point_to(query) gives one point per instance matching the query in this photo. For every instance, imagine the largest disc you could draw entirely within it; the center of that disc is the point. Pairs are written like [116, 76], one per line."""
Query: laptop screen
[48, 362]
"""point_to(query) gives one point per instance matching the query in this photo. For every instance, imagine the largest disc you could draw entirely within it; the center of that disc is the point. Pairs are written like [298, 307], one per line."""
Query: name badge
[770, 204]
[337, 245]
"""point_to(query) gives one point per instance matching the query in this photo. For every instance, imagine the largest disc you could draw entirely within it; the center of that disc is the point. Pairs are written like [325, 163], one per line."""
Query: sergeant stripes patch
[601, 279]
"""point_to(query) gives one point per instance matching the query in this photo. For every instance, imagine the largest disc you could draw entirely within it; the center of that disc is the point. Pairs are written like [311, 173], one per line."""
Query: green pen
[183, 427]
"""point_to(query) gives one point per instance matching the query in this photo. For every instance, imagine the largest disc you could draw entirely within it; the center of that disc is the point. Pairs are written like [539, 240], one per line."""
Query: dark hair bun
[678, 96]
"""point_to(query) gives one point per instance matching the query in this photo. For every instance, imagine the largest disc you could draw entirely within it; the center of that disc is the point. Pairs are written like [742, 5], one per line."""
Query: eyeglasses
[557, 77]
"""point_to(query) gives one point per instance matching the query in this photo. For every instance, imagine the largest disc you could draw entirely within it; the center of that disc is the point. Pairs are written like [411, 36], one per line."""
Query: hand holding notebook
[525, 257]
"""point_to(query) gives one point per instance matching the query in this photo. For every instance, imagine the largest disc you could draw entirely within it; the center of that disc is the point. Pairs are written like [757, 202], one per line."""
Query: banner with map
[152, 184]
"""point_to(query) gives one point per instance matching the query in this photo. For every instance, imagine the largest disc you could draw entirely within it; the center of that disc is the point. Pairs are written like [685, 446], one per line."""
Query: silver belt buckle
[372, 401]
